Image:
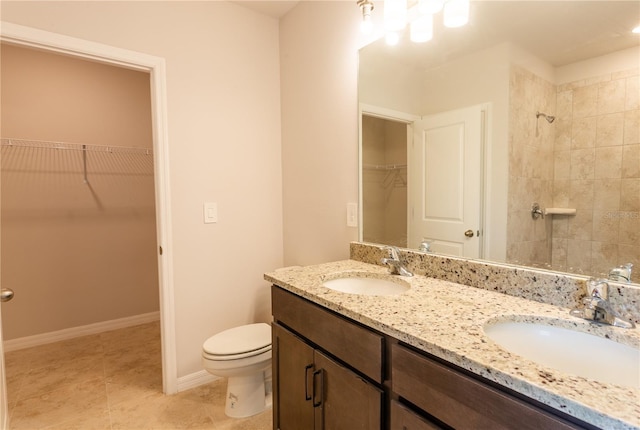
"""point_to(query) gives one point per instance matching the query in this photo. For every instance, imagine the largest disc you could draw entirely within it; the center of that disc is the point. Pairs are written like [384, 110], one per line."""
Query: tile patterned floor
[110, 381]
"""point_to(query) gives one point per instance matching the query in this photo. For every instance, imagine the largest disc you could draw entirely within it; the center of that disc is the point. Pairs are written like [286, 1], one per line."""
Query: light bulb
[366, 26]
[422, 29]
[430, 6]
[636, 30]
[395, 14]
[456, 13]
[392, 38]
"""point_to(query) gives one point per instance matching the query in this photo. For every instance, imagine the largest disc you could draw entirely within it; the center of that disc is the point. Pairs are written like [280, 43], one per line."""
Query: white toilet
[243, 355]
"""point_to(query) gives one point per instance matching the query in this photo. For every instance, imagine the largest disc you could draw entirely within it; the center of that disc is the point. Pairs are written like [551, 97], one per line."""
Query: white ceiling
[274, 9]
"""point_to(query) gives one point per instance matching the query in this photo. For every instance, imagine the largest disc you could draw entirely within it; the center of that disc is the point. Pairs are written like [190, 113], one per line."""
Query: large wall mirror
[532, 102]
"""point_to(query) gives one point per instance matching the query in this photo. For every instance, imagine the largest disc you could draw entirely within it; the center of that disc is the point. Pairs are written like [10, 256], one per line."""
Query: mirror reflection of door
[445, 198]
[384, 180]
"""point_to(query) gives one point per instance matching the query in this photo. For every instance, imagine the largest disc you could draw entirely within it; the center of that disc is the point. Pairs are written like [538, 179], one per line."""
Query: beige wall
[318, 61]
[75, 254]
[223, 99]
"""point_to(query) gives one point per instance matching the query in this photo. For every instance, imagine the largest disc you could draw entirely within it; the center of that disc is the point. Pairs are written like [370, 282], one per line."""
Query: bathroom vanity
[420, 360]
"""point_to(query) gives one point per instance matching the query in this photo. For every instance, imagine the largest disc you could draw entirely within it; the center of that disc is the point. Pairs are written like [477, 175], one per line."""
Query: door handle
[308, 367]
[468, 233]
[320, 374]
[6, 294]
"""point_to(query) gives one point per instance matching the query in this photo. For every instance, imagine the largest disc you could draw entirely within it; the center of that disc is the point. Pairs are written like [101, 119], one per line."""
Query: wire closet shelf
[83, 149]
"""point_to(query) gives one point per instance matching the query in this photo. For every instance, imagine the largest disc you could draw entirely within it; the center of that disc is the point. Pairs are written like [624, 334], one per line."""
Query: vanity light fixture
[636, 30]
[418, 13]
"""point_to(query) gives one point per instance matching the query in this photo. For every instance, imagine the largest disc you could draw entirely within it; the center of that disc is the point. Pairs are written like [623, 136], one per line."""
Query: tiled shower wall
[530, 167]
[597, 171]
[587, 159]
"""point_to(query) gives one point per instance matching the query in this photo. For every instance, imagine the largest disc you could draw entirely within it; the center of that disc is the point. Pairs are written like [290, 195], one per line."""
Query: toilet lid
[239, 340]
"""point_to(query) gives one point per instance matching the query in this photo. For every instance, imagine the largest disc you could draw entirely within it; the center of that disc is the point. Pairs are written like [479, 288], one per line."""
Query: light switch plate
[352, 214]
[210, 212]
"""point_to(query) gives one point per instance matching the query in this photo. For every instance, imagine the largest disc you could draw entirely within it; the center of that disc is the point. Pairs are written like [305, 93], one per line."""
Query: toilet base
[246, 395]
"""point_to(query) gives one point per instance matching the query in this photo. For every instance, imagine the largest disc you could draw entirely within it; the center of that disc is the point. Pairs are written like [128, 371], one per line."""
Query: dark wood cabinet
[334, 374]
[462, 401]
[312, 391]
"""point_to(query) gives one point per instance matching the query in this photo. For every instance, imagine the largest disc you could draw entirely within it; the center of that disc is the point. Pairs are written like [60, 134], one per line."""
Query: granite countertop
[446, 319]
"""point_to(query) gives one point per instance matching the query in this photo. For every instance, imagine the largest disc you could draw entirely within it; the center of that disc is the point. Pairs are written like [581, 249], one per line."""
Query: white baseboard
[195, 379]
[70, 333]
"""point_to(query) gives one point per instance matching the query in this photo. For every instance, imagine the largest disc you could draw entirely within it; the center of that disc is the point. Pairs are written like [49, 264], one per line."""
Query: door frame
[79, 48]
[383, 113]
[409, 119]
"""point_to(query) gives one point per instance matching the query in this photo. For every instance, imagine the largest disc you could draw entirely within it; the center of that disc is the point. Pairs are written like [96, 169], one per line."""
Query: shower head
[549, 118]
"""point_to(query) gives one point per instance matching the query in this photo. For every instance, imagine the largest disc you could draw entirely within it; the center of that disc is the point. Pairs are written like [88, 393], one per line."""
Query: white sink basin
[570, 351]
[366, 284]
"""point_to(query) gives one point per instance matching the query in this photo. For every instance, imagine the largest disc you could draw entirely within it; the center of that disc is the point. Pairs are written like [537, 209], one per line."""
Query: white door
[445, 186]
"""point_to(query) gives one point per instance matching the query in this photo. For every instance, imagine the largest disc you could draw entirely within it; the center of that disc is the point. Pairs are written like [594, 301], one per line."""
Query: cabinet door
[404, 419]
[292, 378]
[343, 400]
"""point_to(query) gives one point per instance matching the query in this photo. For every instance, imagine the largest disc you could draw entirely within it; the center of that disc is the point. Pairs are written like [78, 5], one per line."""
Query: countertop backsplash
[558, 289]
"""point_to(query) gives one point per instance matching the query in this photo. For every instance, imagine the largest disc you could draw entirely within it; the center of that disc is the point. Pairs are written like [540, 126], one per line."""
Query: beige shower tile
[630, 229]
[610, 129]
[562, 165]
[608, 162]
[585, 101]
[561, 193]
[604, 256]
[582, 163]
[564, 130]
[631, 161]
[581, 226]
[559, 253]
[606, 194]
[611, 96]
[632, 127]
[564, 104]
[579, 256]
[630, 195]
[632, 100]
[605, 227]
[560, 227]
[581, 194]
[55, 407]
[584, 133]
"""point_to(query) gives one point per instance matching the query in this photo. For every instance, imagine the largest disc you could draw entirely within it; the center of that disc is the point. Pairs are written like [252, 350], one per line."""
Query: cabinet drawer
[360, 348]
[405, 419]
[461, 401]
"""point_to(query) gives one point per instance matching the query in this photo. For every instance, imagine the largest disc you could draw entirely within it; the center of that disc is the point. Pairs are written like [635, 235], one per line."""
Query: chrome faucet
[597, 307]
[395, 263]
[621, 273]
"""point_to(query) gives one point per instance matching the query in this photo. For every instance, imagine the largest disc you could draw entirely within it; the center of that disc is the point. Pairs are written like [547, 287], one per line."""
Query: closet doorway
[95, 159]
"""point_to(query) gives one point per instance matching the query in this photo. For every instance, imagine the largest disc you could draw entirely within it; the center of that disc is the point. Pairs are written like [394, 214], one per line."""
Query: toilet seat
[238, 342]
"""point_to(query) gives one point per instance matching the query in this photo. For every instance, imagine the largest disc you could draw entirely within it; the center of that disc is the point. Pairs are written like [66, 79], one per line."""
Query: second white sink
[366, 284]
[570, 351]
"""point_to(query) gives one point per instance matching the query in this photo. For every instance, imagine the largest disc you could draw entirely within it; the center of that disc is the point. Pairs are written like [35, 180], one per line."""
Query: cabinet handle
[316, 373]
[307, 396]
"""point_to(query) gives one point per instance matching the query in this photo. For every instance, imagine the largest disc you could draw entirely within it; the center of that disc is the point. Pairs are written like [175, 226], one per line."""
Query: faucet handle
[598, 288]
